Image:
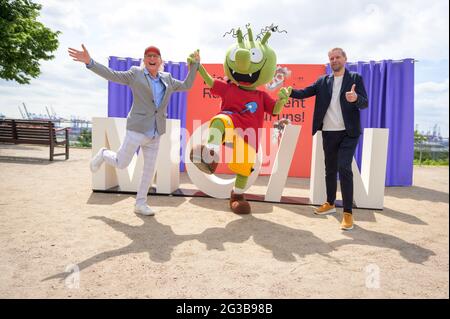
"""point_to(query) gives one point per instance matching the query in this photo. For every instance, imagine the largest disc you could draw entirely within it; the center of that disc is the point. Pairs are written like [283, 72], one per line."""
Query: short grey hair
[338, 49]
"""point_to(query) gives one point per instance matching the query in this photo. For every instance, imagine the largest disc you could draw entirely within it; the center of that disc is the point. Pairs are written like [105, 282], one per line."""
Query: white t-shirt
[333, 120]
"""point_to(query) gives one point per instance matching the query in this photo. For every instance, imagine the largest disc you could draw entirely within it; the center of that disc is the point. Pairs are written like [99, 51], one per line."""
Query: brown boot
[206, 162]
[238, 204]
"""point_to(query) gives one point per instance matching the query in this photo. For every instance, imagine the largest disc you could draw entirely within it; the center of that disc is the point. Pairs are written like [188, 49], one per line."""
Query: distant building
[434, 145]
[434, 136]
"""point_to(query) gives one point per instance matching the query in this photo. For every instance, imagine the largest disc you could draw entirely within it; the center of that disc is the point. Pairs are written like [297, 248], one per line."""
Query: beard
[337, 67]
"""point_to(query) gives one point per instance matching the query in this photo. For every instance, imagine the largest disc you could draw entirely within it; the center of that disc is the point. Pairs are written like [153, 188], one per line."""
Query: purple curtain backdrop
[390, 90]
[120, 97]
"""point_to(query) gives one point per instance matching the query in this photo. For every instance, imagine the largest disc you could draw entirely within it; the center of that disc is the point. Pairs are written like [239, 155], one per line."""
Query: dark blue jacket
[323, 89]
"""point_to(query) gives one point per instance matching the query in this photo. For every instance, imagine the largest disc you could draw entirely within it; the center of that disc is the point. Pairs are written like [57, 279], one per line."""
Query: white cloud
[432, 87]
[63, 15]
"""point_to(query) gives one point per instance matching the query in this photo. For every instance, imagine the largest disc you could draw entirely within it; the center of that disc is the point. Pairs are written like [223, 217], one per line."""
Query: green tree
[419, 138]
[23, 40]
[85, 138]
[418, 151]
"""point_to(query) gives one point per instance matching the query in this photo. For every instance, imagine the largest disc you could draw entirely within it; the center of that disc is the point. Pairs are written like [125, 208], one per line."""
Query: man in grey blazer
[146, 121]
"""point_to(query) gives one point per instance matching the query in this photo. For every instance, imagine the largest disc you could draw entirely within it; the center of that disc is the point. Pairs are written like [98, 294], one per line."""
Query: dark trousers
[339, 149]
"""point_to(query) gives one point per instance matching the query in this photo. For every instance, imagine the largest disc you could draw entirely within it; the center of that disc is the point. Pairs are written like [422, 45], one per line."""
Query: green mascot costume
[248, 64]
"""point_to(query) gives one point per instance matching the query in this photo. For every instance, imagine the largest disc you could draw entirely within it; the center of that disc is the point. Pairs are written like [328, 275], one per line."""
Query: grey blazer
[141, 117]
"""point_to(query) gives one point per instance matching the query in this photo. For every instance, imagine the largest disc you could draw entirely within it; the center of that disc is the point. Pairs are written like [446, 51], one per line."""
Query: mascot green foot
[238, 204]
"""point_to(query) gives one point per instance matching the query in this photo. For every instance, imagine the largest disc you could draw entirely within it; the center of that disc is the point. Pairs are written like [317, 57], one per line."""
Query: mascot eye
[232, 54]
[256, 55]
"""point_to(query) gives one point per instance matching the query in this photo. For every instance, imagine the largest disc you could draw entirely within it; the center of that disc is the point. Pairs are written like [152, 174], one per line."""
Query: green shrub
[85, 139]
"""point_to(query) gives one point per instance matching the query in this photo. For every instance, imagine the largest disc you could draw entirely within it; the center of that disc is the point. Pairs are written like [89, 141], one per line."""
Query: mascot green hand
[193, 57]
[249, 63]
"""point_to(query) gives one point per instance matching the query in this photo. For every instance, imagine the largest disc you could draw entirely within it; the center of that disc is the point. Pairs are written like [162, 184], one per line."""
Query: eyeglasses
[152, 56]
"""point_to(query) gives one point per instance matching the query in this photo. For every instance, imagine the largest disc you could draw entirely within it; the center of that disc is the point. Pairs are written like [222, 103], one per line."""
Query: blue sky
[368, 30]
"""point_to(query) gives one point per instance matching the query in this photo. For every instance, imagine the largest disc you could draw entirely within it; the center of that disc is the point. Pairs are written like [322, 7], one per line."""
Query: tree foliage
[24, 41]
[419, 138]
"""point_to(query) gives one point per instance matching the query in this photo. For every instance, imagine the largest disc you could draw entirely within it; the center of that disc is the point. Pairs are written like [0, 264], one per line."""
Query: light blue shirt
[158, 89]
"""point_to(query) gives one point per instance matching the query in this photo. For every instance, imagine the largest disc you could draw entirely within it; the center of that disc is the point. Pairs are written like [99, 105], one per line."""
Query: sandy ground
[51, 222]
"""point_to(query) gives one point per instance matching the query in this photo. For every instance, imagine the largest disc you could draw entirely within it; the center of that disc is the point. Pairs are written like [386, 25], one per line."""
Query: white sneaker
[97, 160]
[143, 210]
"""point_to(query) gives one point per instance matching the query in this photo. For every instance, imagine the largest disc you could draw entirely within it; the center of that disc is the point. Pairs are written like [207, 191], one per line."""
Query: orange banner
[202, 105]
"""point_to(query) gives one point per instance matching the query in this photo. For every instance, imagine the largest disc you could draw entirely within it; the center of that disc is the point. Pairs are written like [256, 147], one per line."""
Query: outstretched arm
[203, 73]
[283, 96]
[193, 62]
[304, 93]
[122, 77]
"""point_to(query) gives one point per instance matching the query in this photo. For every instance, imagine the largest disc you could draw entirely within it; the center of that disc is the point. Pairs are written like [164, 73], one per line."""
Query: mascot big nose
[242, 60]
[248, 64]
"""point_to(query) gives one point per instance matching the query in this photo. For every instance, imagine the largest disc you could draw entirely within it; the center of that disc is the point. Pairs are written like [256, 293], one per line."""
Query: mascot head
[250, 63]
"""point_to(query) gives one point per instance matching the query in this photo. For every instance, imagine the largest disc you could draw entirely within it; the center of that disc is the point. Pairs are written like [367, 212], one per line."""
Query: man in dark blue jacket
[339, 97]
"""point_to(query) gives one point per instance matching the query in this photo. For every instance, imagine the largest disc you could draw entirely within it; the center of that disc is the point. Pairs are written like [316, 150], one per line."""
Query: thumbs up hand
[351, 96]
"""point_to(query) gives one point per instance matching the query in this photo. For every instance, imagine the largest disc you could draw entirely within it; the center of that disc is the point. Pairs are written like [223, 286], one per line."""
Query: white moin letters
[368, 185]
